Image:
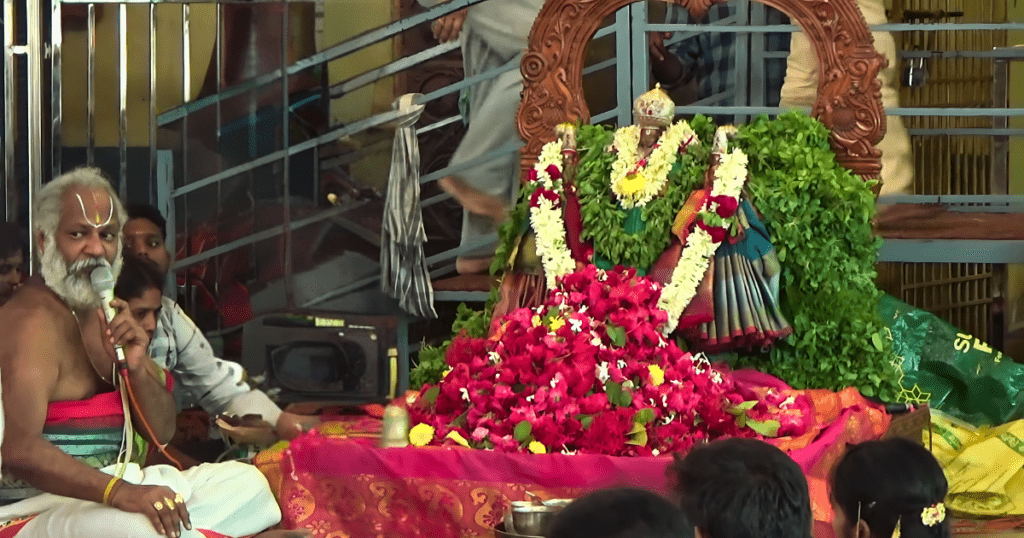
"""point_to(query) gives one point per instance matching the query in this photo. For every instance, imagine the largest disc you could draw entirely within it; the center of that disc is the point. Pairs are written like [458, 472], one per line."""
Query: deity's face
[87, 234]
[649, 136]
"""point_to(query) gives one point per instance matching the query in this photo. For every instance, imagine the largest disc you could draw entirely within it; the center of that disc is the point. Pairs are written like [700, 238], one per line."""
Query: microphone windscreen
[102, 279]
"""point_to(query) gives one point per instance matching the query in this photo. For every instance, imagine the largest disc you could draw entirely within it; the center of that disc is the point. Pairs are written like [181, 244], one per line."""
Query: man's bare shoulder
[32, 316]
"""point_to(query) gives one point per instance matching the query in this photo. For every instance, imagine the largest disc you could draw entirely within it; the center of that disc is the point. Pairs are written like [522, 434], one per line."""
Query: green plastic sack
[955, 372]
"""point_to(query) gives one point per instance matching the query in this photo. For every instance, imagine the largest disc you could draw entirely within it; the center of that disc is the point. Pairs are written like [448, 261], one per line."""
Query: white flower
[602, 372]
[465, 393]
[787, 402]
[668, 420]
[730, 177]
[551, 247]
[576, 324]
[621, 364]
[655, 173]
[493, 357]
[655, 452]
[716, 376]
[627, 384]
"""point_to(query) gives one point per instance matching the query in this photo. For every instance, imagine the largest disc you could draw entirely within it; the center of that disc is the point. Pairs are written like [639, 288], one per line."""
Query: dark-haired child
[743, 488]
[889, 489]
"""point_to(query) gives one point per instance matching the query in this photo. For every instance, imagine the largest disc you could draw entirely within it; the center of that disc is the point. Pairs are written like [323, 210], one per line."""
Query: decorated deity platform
[337, 482]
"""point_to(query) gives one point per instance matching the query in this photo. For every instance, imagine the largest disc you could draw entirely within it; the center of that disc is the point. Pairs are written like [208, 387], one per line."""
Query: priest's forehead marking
[96, 221]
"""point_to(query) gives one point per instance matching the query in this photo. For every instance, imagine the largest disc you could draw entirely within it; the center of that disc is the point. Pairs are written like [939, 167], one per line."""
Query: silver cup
[530, 519]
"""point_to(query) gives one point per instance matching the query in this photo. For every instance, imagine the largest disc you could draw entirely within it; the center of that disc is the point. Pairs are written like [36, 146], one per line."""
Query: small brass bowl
[557, 504]
[531, 519]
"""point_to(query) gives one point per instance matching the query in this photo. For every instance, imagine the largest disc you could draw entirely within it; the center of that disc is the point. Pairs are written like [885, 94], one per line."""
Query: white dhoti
[493, 35]
[232, 499]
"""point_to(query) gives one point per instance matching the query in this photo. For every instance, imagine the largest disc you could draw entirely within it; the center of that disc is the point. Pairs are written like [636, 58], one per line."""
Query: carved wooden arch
[849, 92]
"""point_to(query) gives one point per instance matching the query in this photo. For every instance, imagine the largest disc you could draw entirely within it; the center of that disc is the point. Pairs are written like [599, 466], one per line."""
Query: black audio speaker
[300, 356]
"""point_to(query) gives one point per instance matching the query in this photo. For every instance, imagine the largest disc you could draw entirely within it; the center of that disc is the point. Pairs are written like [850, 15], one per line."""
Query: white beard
[73, 283]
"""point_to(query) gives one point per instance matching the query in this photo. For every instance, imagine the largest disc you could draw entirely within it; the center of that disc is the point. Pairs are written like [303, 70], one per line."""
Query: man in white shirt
[179, 346]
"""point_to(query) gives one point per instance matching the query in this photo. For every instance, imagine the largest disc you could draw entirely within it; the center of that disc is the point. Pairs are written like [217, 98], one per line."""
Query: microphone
[103, 284]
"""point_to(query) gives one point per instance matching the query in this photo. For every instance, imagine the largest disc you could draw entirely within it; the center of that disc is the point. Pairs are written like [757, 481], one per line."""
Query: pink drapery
[338, 486]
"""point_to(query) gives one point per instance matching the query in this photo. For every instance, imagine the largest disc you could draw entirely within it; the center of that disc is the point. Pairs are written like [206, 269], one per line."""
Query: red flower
[554, 380]
[541, 192]
[718, 233]
[554, 172]
[727, 205]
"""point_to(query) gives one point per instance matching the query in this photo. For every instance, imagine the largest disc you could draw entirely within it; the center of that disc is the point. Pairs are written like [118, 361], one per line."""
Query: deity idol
[655, 200]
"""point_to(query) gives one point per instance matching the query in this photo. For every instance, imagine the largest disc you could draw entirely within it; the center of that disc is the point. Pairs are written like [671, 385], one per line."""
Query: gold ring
[158, 506]
[179, 499]
[170, 503]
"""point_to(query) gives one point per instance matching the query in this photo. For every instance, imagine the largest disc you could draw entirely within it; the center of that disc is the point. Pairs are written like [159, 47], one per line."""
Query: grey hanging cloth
[404, 274]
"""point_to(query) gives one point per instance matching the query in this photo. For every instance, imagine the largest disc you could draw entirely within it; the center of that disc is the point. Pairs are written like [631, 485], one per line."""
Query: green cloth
[960, 374]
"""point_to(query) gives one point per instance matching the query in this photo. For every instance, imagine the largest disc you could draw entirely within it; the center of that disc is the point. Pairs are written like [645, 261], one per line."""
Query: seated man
[12, 259]
[66, 417]
[179, 346]
[737, 488]
[620, 513]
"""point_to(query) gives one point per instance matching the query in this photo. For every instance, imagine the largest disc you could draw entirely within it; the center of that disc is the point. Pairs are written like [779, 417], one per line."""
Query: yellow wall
[344, 19]
[169, 73]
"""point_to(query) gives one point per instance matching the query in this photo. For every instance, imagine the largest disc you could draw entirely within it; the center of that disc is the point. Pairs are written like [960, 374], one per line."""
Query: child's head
[140, 284]
[12, 258]
[743, 488]
[879, 483]
[620, 513]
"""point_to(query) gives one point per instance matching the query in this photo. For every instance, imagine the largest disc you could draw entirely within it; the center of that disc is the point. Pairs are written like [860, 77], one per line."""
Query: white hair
[71, 281]
[49, 199]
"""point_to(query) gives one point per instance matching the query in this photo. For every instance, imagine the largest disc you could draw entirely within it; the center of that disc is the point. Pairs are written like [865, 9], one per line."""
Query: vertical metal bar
[10, 176]
[289, 284]
[623, 73]
[122, 103]
[742, 59]
[56, 43]
[758, 63]
[639, 49]
[186, 93]
[90, 100]
[34, 51]
[152, 174]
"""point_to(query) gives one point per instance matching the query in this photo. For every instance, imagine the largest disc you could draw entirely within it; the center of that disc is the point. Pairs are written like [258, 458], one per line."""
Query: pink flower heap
[588, 371]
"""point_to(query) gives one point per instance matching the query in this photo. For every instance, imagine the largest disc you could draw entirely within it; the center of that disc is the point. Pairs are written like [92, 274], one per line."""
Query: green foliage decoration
[431, 366]
[604, 220]
[819, 215]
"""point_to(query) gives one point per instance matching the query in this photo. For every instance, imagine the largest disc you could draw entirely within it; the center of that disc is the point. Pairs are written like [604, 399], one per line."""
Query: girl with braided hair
[889, 489]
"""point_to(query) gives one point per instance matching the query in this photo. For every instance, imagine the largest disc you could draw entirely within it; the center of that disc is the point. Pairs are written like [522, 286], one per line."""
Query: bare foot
[297, 533]
[473, 266]
[472, 199]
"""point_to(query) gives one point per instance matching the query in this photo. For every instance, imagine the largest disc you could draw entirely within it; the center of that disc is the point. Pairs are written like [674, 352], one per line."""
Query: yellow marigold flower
[633, 184]
[537, 447]
[458, 438]
[556, 323]
[657, 374]
[421, 434]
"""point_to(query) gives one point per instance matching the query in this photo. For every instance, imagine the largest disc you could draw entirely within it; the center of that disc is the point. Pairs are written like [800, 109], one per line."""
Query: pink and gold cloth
[344, 486]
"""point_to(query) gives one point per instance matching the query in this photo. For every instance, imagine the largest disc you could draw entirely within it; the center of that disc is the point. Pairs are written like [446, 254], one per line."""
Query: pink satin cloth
[337, 486]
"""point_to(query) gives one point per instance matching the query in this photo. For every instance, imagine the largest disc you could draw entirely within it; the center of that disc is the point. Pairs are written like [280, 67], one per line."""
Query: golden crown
[654, 108]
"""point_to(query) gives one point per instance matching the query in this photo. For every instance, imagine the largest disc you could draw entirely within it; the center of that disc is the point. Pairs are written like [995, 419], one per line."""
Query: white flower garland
[546, 219]
[654, 171]
[730, 176]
